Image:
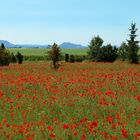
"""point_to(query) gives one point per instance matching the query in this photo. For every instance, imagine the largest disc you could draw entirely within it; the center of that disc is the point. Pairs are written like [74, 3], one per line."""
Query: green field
[42, 51]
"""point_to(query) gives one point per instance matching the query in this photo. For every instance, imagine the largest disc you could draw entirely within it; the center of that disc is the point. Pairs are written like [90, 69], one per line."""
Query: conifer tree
[133, 45]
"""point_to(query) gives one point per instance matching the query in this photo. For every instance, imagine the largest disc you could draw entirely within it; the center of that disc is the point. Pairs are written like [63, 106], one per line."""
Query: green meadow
[43, 51]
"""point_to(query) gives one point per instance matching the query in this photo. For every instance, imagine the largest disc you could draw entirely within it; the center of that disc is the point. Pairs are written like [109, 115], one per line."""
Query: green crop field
[43, 51]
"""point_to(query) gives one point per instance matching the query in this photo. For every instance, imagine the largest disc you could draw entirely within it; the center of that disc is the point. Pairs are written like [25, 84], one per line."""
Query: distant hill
[71, 45]
[7, 44]
[63, 45]
[10, 45]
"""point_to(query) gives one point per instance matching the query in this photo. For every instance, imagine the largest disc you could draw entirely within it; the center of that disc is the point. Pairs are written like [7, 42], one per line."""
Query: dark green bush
[72, 59]
[19, 57]
[54, 55]
[35, 58]
[66, 57]
[80, 58]
[4, 56]
[13, 58]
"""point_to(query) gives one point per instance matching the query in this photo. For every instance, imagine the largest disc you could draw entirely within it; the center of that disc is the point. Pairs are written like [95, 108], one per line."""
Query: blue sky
[77, 21]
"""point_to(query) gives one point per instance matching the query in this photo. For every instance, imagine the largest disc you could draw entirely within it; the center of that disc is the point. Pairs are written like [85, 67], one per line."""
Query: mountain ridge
[62, 45]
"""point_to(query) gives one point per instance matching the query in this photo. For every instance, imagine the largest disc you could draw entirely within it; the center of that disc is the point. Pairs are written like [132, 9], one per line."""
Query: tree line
[97, 52]
[107, 53]
[127, 50]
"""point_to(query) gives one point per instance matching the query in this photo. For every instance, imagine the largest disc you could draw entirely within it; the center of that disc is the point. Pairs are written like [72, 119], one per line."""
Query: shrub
[13, 58]
[4, 56]
[54, 55]
[19, 57]
[66, 57]
[72, 59]
[79, 58]
[108, 53]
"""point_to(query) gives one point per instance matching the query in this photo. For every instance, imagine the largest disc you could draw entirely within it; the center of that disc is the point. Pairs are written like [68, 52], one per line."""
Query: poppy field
[79, 101]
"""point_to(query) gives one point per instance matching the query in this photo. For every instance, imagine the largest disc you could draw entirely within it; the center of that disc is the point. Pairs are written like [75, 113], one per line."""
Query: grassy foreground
[80, 101]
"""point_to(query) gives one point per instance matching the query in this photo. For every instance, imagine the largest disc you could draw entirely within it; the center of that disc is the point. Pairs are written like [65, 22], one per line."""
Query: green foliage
[98, 53]
[133, 45]
[54, 54]
[66, 57]
[80, 58]
[13, 58]
[34, 58]
[19, 57]
[123, 51]
[94, 48]
[108, 53]
[4, 56]
[72, 58]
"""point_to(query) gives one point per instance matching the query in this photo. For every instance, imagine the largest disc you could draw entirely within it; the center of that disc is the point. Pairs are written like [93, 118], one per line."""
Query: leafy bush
[54, 55]
[80, 58]
[99, 53]
[108, 53]
[19, 57]
[66, 57]
[4, 56]
[123, 51]
[72, 58]
[13, 58]
[35, 58]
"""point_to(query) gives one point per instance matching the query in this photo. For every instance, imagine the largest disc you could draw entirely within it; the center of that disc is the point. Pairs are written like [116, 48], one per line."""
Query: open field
[80, 101]
[42, 51]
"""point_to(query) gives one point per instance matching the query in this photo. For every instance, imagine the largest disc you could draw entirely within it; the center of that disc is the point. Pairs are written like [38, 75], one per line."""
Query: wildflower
[121, 123]
[74, 133]
[1, 95]
[54, 120]
[105, 135]
[94, 124]
[113, 126]
[20, 130]
[7, 125]
[113, 103]
[114, 138]
[73, 119]
[124, 133]
[109, 119]
[52, 135]
[137, 135]
[49, 128]
[82, 137]
[40, 123]
[53, 98]
[65, 126]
